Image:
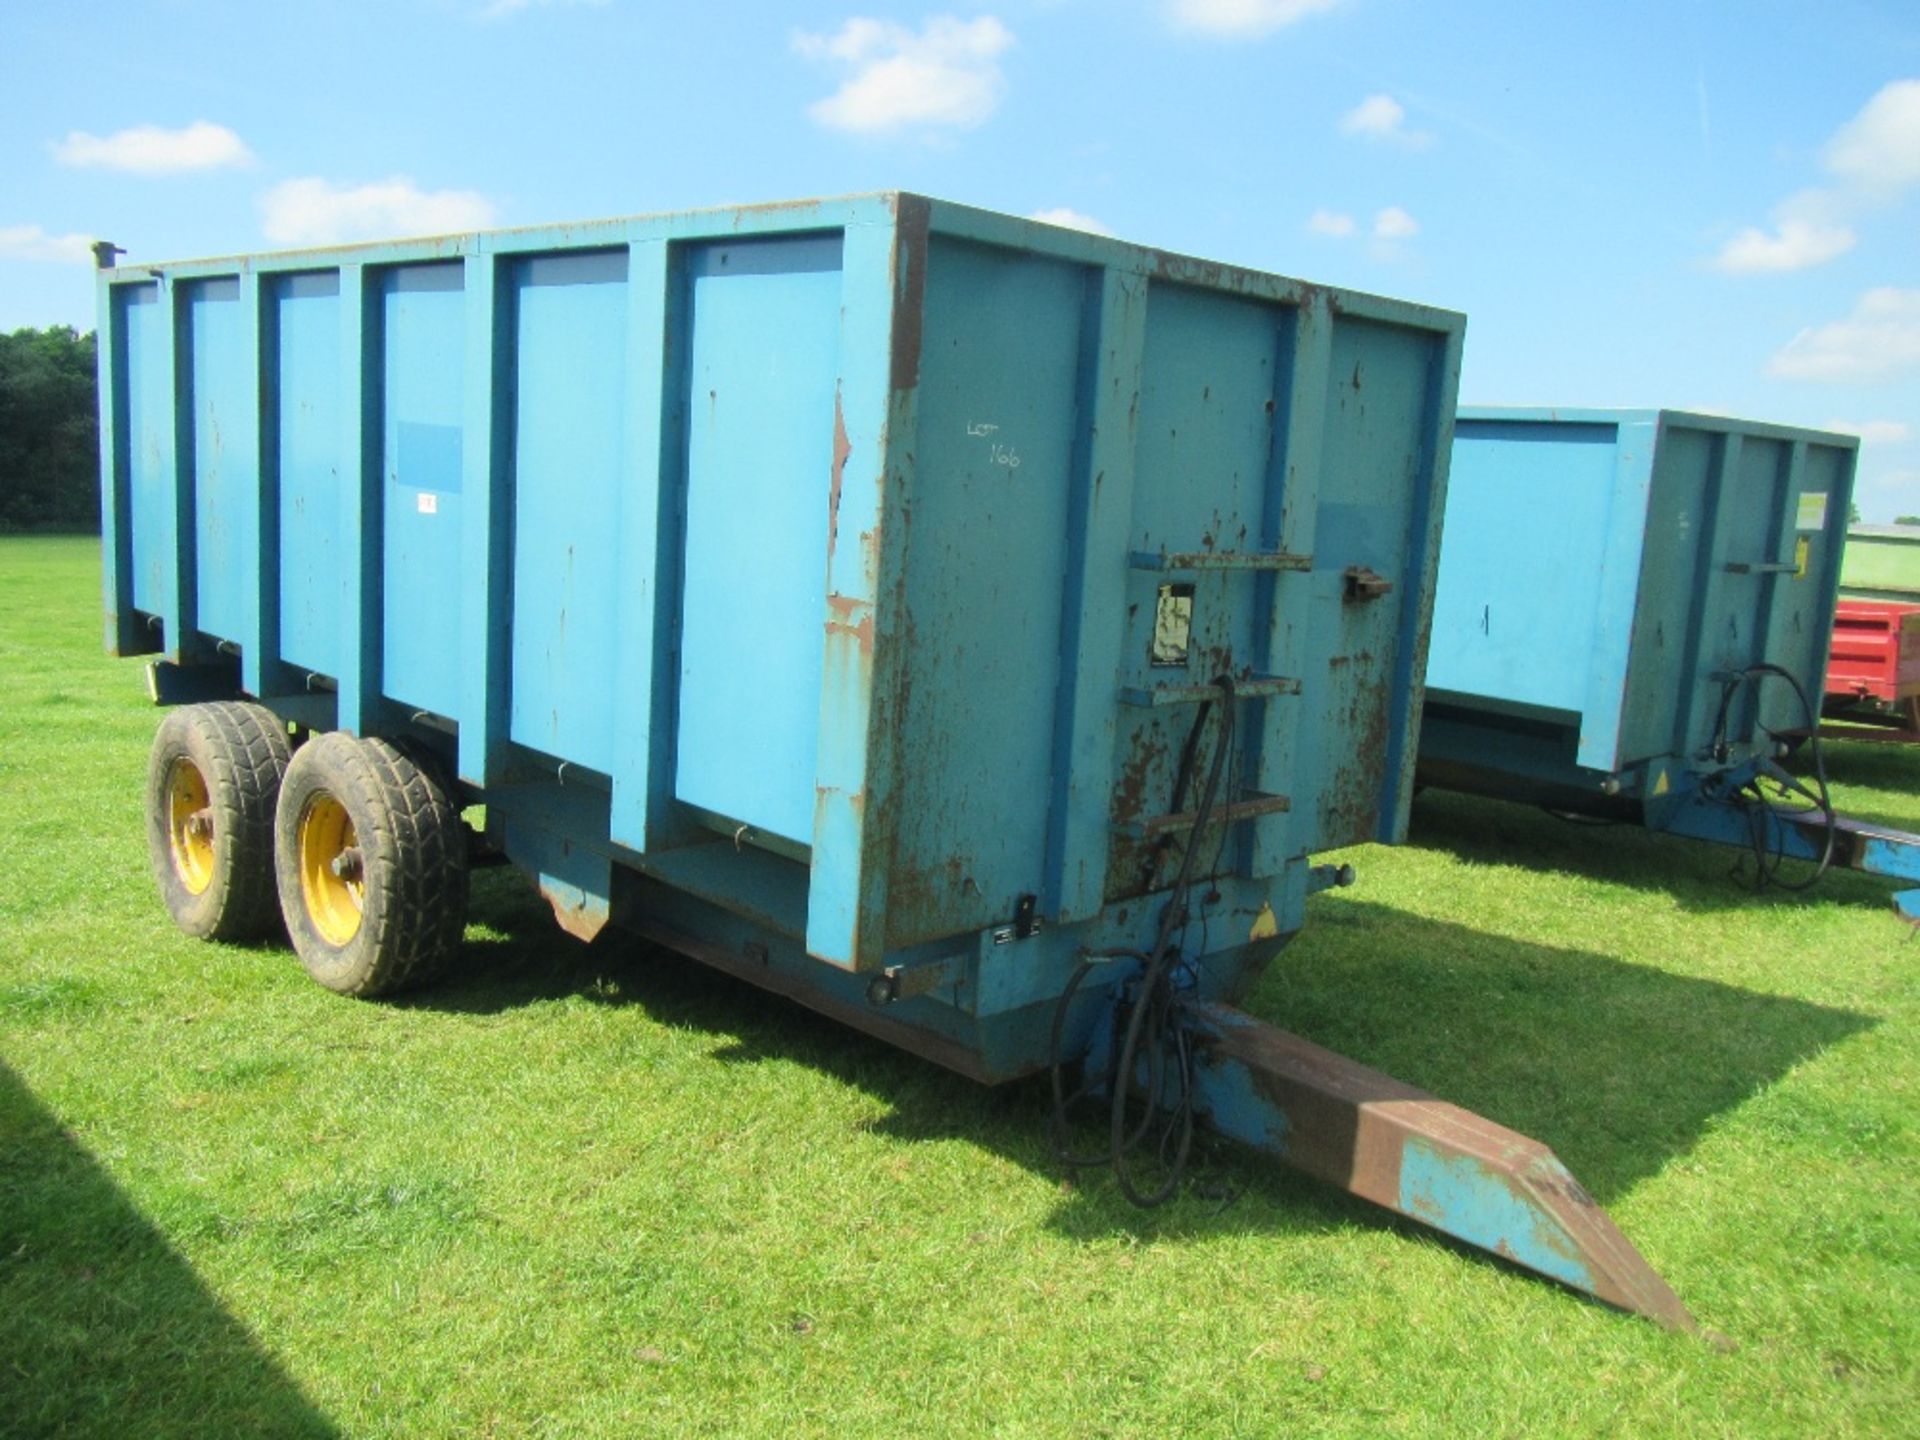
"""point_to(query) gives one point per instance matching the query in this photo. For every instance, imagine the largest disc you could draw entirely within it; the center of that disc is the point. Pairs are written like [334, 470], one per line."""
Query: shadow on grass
[1619, 1067]
[104, 1329]
[1696, 874]
[1876, 764]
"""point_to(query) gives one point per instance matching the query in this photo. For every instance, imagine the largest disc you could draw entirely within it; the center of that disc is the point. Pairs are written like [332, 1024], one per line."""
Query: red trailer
[1873, 672]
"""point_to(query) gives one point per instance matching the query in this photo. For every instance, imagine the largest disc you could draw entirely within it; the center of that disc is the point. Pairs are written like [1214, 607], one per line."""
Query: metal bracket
[216, 679]
[903, 982]
[1330, 877]
[1365, 584]
[1025, 922]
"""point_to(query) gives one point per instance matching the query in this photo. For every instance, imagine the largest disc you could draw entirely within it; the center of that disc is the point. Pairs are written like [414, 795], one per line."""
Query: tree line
[49, 431]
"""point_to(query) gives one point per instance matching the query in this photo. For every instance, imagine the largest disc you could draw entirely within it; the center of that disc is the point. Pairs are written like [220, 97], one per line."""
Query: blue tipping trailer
[1632, 622]
[967, 627]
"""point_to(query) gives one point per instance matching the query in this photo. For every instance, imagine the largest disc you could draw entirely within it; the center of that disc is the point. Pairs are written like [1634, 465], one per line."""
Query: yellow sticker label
[1660, 786]
[1811, 513]
[1265, 927]
[1802, 547]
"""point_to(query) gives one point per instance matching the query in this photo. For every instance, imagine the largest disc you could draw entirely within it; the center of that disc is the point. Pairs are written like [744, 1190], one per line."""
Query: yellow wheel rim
[331, 880]
[190, 825]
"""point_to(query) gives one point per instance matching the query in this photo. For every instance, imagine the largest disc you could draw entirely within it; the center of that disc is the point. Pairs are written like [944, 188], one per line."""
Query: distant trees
[49, 431]
[1906, 519]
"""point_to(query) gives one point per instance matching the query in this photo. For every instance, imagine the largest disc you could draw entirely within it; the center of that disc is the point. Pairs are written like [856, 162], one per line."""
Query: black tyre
[372, 865]
[213, 780]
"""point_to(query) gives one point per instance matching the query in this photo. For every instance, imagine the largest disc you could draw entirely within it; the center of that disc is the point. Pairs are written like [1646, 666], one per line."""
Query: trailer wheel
[372, 865]
[213, 778]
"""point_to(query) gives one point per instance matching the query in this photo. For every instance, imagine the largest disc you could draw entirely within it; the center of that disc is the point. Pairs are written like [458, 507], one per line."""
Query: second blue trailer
[1632, 621]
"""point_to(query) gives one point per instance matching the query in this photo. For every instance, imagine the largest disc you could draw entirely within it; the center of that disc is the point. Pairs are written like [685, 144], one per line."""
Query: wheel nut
[200, 824]
[346, 865]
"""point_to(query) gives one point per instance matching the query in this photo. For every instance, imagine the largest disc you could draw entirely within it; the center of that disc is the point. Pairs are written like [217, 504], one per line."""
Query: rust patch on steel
[909, 291]
[1130, 795]
[1145, 773]
[922, 901]
[847, 615]
[581, 916]
[842, 448]
[1353, 801]
[1351, 1126]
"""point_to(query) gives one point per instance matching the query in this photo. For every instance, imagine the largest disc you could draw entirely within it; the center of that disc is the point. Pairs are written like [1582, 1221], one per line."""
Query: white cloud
[1383, 118]
[1331, 223]
[1874, 158]
[1879, 149]
[1879, 340]
[1072, 219]
[1874, 432]
[30, 242]
[1234, 18]
[1792, 245]
[945, 76]
[1393, 223]
[150, 150]
[315, 212]
[500, 9]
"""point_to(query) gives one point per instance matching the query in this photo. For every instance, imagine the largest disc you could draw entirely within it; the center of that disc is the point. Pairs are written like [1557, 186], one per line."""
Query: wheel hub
[332, 872]
[190, 826]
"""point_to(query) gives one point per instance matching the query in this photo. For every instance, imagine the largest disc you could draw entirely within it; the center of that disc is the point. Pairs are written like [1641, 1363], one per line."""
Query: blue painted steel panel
[1521, 539]
[570, 473]
[1451, 1191]
[1383, 431]
[141, 331]
[423, 334]
[305, 325]
[846, 523]
[761, 415]
[986, 562]
[1603, 572]
[224, 474]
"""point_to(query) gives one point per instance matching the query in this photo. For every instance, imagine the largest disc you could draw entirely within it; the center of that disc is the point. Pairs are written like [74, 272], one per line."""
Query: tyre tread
[417, 856]
[246, 754]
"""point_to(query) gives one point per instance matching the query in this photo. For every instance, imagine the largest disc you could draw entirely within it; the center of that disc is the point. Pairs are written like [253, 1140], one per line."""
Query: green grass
[600, 1191]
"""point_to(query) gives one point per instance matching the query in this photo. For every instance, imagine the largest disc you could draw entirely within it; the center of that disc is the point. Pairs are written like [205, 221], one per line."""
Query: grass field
[601, 1191]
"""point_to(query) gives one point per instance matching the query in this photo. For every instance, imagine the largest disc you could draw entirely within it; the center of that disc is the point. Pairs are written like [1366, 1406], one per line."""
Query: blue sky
[1690, 203]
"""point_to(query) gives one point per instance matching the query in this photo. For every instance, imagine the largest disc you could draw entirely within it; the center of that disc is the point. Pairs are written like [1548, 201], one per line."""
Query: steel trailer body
[1873, 675]
[1620, 591]
[830, 591]
[1882, 562]
[1873, 670]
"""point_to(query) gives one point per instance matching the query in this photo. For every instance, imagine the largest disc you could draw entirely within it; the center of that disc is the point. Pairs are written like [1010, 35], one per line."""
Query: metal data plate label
[1812, 512]
[1172, 625]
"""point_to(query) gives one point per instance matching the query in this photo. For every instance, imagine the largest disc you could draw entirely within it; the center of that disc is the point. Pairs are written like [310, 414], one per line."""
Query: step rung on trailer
[1219, 560]
[1254, 687]
[1250, 809]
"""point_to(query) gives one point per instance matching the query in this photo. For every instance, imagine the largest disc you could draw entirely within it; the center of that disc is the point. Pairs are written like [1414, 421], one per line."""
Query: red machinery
[1873, 672]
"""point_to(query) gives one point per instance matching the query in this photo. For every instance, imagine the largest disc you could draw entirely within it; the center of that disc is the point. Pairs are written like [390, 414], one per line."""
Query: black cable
[1153, 1032]
[1768, 858]
[1182, 778]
